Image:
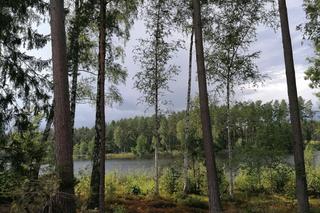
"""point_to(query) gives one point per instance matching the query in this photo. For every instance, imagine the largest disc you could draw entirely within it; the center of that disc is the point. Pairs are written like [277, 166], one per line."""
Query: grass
[132, 156]
[125, 155]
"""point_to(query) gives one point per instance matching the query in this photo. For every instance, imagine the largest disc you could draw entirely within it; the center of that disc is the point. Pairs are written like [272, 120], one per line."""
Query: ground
[243, 204]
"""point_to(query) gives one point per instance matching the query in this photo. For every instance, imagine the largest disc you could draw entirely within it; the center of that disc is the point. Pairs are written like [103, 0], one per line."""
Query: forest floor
[198, 204]
[243, 204]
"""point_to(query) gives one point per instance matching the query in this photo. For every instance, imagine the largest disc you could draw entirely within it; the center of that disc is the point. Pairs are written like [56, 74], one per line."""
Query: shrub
[170, 181]
[199, 184]
[248, 181]
[274, 180]
[313, 179]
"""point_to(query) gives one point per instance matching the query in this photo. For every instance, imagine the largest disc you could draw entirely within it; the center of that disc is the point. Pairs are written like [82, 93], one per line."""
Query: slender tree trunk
[187, 130]
[157, 121]
[213, 186]
[101, 102]
[301, 180]
[62, 125]
[97, 197]
[229, 141]
[74, 60]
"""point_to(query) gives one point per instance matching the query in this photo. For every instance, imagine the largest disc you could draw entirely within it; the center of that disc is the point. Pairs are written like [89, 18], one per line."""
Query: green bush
[248, 181]
[313, 179]
[170, 181]
[199, 185]
[274, 180]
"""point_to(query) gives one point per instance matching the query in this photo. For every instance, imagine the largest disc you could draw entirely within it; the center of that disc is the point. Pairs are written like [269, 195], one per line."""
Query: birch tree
[154, 54]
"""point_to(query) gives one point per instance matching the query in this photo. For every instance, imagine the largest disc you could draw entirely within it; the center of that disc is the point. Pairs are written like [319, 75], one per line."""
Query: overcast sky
[270, 63]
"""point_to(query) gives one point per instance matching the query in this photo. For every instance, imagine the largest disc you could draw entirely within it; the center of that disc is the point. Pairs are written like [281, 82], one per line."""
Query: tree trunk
[301, 180]
[97, 197]
[187, 128]
[74, 60]
[62, 125]
[157, 121]
[213, 186]
[101, 102]
[229, 140]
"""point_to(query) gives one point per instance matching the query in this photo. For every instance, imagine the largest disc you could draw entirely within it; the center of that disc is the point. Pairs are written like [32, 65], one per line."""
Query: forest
[219, 153]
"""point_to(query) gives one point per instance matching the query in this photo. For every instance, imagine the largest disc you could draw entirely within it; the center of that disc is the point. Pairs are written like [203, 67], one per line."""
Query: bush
[170, 181]
[313, 179]
[274, 180]
[199, 184]
[248, 181]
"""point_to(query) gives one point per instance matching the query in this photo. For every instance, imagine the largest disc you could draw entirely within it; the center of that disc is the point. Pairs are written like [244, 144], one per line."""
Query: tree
[212, 176]
[184, 20]
[141, 147]
[115, 18]
[229, 37]
[100, 125]
[311, 32]
[62, 124]
[78, 47]
[24, 84]
[119, 138]
[301, 182]
[154, 54]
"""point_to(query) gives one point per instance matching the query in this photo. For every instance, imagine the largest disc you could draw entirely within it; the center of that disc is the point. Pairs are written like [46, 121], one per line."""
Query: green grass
[125, 155]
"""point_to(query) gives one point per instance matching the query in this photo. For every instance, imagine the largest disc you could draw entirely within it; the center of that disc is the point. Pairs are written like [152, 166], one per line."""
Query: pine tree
[62, 129]
[301, 179]
[212, 176]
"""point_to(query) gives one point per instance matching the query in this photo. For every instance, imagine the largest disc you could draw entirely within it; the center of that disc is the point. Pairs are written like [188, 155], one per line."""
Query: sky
[270, 63]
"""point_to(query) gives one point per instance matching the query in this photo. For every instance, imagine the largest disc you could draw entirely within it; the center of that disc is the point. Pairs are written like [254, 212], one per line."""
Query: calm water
[124, 166]
[121, 165]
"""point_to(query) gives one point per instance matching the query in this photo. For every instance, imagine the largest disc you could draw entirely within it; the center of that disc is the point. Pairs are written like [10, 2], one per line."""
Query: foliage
[171, 180]
[154, 53]
[142, 146]
[24, 83]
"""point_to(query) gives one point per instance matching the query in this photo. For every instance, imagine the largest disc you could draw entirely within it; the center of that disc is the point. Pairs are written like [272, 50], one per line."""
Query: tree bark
[101, 102]
[229, 140]
[301, 180]
[74, 60]
[62, 125]
[187, 128]
[213, 186]
[97, 197]
[157, 121]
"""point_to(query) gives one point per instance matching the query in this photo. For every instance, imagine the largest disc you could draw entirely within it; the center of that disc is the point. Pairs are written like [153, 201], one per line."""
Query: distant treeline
[257, 127]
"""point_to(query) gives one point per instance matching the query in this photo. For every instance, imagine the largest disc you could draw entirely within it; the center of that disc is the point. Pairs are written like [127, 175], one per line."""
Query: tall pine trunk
[98, 171]
[62, 125]
[212, 176]
[301, 180]
[187, 128]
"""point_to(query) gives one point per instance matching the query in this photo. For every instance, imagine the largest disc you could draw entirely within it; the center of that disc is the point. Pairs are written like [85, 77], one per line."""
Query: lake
[124, 166]
[121, 165]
